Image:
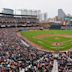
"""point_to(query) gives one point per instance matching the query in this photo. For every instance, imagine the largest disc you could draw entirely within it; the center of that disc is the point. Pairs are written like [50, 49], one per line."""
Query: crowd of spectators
[11, 20]
[64, 62]
[14, 55]
[7, 20]
[45, 64]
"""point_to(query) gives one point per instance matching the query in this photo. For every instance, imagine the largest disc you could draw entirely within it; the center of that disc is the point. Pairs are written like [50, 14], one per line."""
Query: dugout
[55, 26]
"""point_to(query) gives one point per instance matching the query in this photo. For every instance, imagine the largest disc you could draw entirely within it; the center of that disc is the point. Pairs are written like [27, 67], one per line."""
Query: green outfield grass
[47, 42]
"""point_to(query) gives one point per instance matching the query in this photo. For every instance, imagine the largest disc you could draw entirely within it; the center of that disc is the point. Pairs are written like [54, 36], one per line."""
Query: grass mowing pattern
[46, 43]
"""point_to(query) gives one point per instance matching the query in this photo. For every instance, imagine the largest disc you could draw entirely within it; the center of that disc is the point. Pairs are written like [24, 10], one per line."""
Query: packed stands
[14, 54]
[64, 62]
[17, 20]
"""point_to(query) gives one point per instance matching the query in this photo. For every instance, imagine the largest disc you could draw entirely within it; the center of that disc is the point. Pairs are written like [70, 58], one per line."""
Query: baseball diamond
[55, 40]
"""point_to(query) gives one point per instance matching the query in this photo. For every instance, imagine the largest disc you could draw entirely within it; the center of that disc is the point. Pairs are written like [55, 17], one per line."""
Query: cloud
[49, 6]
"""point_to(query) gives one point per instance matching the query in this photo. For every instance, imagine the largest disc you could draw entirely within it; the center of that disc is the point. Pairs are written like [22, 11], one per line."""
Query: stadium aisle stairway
[55, 66]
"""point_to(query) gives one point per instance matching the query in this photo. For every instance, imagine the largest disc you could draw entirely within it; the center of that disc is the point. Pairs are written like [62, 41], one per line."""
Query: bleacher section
[17, 20]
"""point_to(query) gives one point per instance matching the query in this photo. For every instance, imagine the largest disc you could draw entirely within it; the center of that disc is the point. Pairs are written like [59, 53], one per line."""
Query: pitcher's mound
[56, 44]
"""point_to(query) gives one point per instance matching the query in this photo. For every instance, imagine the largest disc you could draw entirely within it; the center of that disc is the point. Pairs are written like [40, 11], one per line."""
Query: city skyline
[49, 6]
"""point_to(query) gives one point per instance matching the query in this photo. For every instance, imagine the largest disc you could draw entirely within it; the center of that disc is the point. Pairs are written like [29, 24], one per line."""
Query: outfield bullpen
[57, 40]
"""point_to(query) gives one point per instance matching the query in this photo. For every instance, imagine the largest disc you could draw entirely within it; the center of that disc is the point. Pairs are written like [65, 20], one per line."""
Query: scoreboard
[67, 20]
[67, 23]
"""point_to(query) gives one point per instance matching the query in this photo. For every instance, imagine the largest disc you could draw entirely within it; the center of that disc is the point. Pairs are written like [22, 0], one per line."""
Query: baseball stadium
[30, 45]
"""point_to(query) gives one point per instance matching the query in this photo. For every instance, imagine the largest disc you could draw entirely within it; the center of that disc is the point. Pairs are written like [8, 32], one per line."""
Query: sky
[49, 6]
